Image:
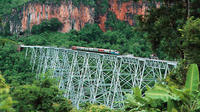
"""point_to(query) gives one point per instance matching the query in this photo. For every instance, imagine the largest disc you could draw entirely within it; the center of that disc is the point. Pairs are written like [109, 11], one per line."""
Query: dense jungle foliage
[172, 32]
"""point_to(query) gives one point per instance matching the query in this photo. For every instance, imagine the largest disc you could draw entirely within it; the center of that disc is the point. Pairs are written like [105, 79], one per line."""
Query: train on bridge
[98, 50]
[87, 49]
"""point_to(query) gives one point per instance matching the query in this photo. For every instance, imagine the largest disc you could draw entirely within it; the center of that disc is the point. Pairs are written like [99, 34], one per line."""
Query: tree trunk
[188, 9]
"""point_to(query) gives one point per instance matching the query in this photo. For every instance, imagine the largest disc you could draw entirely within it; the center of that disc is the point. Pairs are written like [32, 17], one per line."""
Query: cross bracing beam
[95, 77]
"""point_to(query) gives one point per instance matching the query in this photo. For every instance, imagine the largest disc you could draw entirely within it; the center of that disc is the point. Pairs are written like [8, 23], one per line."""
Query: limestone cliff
[125, 11]
[71, 16]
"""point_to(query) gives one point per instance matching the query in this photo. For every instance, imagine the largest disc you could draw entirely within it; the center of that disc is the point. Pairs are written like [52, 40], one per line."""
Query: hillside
[74, 15]
[56, 78]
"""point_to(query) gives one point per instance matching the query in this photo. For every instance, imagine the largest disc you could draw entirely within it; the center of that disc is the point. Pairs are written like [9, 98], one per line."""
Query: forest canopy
[172, 32]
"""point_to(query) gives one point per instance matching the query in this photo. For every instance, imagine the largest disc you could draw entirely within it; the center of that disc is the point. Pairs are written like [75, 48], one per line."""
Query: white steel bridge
[94, 77]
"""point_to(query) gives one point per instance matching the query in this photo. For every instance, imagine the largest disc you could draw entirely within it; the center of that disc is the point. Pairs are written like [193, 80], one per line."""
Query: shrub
[47, 25]
[11, 63]
[43, 95]
[5, 99]
[177, 77]
[96, 108]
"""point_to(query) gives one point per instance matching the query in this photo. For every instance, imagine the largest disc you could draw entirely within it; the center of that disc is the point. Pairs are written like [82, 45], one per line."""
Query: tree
[91, 32]
[161, 27]
[191, 40]
[4, 41]
[11, 67]
[6, 101]
[162, 23]
[47, 25]
[43, 95]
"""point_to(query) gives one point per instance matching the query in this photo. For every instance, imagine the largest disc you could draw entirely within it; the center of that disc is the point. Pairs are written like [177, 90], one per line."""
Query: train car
[106, 51]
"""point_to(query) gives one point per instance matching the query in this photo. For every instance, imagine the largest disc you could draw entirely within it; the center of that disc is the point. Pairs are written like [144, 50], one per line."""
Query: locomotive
[105, 51]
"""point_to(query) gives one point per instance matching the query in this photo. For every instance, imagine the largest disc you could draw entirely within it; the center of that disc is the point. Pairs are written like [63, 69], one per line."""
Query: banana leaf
[192, 79]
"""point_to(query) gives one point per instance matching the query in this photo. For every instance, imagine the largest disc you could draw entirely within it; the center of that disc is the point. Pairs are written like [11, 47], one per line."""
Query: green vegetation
[11, 63]
[164, 18]
[6, 6]
[6, 101]
[101, 7]
[95, 108]
[90, 36]
[47, 25]
[90, 3]
[191, 39]
[43, 95]
[168, 98]
[177, 77]
[171, 31]
[162, 25]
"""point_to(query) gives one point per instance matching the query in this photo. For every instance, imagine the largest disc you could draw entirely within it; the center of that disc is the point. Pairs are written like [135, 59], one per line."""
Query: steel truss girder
[94, 77]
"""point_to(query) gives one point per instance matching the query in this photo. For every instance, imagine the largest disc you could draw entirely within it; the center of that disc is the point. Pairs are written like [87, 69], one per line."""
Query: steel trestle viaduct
[94, 77]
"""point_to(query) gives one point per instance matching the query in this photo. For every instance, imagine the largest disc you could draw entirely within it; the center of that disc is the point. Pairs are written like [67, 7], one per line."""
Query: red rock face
[74, 17]
[71, 16]
[124, 11]
[102, 22]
